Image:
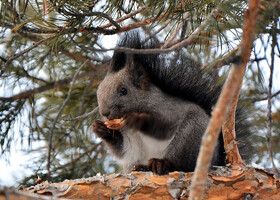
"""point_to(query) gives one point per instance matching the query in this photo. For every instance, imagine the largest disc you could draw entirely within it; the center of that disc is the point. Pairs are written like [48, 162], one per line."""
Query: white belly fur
[140, 148]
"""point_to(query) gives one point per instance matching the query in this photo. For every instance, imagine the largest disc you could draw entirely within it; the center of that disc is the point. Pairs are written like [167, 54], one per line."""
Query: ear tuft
[128, 40]
[133, 40]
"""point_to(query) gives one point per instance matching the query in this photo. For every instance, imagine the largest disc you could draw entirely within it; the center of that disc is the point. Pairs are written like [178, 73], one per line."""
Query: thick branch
[251, 184]
[218, 115]
[229, 134]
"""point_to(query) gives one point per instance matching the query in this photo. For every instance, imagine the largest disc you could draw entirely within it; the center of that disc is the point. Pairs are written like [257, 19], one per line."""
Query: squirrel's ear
[120, 59]
[137, 73]
[118, 62]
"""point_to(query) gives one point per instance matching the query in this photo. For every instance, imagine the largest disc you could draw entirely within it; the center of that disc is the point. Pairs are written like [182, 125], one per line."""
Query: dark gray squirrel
[166, 105]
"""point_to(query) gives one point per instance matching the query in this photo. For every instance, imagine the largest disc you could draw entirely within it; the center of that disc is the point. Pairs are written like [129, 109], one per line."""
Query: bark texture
[250, 183]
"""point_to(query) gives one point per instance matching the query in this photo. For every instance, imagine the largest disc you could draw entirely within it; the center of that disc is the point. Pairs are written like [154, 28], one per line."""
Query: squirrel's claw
[157, 166]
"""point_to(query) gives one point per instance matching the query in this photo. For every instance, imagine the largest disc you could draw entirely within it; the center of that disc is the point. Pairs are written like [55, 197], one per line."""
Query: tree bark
[250, 184]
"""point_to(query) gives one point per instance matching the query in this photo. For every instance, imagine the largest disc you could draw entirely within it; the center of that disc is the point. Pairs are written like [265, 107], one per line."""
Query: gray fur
[179, 143]
[162, 131]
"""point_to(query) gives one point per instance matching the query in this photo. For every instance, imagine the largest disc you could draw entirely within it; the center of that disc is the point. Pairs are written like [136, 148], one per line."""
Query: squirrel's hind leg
[157, 166]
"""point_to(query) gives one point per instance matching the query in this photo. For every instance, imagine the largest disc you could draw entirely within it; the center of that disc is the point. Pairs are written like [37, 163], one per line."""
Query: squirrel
[166, 105]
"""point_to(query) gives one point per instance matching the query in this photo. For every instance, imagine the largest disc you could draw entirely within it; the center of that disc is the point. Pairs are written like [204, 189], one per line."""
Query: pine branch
[61, 48]
[3, 59]
[63, 30]
[22, 53]
[126, 17]
[57, 117]
[152, 35]
[183, 44]
[256, 99]
[94, 147]
[100, 29]
[33, 77]
[82, 107]
[229, 58]
[85, 92]
[60, 84]
[218, 115]
[99, 14]
[27, 29]
[94, 111]
[175, 33]
[140, 24]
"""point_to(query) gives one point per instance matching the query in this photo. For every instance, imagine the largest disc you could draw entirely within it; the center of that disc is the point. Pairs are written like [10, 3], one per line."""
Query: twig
[22, 53]
[85, 92]
[60, 84]
[24, 29]
[100, 29]
[125, 17]
[218, 115]
[97, 29]
[175, 47]
[57, 117]
[140, 24]
[99, 14]
[94, 111]
[79, 157]
[159, 30]
[256, 99]
[269, 117]
[61, 48]
[145, 29]
[33, 77]
[45, 8]
[229, 58]
[3, 59]
[175, 33]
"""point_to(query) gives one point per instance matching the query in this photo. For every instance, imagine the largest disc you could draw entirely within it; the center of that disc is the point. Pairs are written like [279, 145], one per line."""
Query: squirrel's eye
[123, 91]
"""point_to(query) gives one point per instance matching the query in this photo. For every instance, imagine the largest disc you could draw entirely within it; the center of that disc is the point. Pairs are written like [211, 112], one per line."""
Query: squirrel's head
[126, 85]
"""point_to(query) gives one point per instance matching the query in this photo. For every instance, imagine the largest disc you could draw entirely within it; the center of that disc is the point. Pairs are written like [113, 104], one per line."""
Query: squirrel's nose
[105, 113]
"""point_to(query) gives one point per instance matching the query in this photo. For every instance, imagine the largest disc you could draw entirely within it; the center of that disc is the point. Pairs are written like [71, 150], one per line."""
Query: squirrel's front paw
[100, 129]
[136, 120]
